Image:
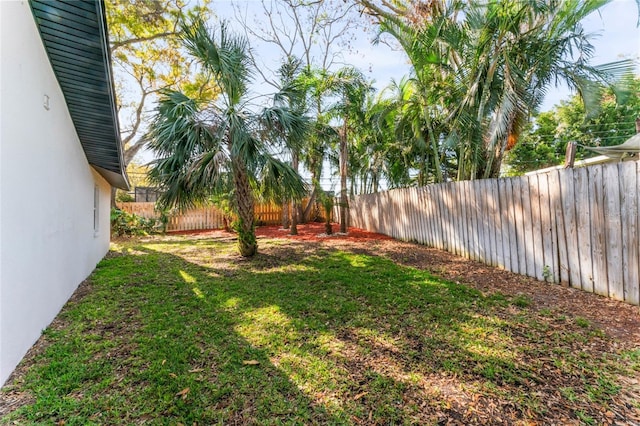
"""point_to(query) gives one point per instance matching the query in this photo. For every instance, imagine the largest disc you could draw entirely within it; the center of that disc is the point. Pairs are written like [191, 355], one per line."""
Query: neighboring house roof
[617, 152]
[628, 150]
[75, 37]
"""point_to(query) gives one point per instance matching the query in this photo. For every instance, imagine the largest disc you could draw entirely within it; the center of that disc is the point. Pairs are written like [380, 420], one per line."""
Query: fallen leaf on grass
[183, 393]
[250, 362]
[196, 370]
[360, 395]
[173, 375]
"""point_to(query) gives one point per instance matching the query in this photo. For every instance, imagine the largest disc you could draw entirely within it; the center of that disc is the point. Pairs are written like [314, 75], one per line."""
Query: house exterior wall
[48, 244]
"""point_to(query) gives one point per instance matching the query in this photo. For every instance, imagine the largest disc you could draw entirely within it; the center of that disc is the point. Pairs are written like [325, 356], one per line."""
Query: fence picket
[496, 223]
[529, 254]
[583, 220]
[466, 212]
[549, 256]
[558, 245]
[449, 238]
[630, 215]
[613, 229]
[505, 223]
[520, 255]
[536, 222]
[598, 249]
[475, 222]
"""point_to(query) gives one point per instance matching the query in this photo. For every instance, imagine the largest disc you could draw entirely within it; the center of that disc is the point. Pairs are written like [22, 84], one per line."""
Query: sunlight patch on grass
[288, 269]
[358, 261]
[186, 277]
[377, 339]
[266, 327]
[330, 345]
[190, 279]
[232, 303]
[198, 292]
[490, 351]
[319, 379]
[482, 337]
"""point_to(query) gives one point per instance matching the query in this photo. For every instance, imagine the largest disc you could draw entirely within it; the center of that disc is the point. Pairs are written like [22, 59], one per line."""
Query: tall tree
[292, 95]
[491, 64]
[205, 147]
[318, 33]
[148, 58]
[351, 89]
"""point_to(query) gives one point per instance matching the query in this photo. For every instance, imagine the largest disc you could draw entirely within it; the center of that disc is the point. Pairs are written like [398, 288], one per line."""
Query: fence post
[570, 156]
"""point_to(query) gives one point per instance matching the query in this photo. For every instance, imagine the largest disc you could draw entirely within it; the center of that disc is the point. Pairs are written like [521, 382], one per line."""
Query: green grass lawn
[177, 330]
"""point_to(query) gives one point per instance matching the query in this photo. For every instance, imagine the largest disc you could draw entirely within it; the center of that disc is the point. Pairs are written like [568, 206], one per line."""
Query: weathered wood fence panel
[579, 227]
[190, 220]
[208, 217]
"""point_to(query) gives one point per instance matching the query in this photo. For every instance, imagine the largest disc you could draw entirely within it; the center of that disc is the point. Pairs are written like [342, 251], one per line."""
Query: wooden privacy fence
[205, 217]
[190, 220]
[579, 227]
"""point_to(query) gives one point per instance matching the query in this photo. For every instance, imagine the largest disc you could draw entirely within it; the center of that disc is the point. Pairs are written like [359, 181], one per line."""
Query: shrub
[128, 224]
[124, 197]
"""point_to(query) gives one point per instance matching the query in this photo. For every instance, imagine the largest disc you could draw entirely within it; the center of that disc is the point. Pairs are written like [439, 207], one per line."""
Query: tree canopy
[206, 147]
[544, 140]
[148, 58]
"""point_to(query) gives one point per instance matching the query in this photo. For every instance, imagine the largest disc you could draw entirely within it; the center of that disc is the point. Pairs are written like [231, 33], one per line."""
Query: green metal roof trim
[74, 33]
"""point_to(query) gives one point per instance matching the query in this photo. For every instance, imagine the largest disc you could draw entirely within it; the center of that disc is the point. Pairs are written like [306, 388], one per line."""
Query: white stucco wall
[47, 241]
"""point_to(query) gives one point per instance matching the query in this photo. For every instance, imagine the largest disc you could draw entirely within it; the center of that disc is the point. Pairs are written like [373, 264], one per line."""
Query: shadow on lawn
[303, 336]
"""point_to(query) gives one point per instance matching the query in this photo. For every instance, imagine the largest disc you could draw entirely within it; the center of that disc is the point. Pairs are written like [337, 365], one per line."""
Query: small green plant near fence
[128, 224]
[327, 201]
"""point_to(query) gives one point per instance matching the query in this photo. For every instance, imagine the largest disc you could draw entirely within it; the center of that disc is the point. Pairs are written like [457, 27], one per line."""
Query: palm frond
[224, 55]
[278, 181]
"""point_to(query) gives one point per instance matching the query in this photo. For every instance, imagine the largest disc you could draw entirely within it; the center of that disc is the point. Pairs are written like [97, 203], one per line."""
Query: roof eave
[75, 37]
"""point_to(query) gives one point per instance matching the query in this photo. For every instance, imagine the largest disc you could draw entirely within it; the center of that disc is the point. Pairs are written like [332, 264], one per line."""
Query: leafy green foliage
[124, 197]
[128, 224]
[481, 68]
[544, 142]
[206, 147]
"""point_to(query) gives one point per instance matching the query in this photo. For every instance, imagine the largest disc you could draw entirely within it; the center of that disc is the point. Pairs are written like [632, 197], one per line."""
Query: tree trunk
[294, 204]
[294, 219]
[113, 197]
[344, 208]
[247, 244]
[307, 210]
[285, 215]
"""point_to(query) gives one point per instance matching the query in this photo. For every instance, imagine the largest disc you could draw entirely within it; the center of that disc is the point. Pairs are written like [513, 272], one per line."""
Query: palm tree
[352, 88]
[317, 85]
[204, 148]
[485, 67]
[292, 95]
